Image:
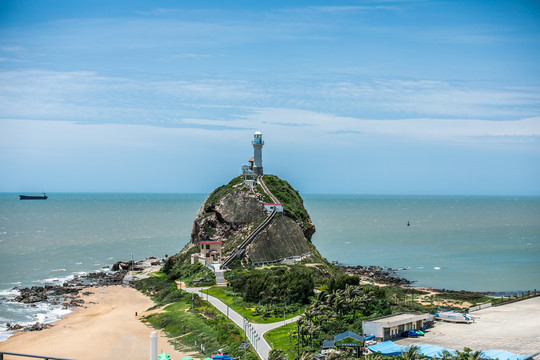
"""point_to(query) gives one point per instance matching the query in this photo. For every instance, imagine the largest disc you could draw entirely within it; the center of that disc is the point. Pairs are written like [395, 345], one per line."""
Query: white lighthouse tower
[257, 153]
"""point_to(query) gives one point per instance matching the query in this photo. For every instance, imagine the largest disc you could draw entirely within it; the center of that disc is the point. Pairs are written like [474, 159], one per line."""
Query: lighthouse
[257, 153]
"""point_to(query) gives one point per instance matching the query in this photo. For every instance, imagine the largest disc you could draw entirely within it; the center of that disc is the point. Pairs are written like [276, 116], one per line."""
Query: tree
[468, 354]
[277, 354]
[411, 354]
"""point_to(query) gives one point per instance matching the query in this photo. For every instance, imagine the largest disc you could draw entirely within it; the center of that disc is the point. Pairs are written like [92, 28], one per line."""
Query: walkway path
[254, 332]
[220, 278]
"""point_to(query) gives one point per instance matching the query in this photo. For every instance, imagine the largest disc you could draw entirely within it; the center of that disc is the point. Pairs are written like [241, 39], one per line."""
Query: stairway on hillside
[239, 251]
[220, 279]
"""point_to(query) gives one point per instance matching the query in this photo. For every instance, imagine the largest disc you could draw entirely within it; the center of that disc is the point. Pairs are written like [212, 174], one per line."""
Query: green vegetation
[264, 196]
[191, 274]
[328, 300]
[274, 285]
[281, 338]
[293, 205]
[254, 312]
[472, 298]
[189, 320]
[223, 191]
[160, 290]
[322, 269]
[341, 281]
[260, 295]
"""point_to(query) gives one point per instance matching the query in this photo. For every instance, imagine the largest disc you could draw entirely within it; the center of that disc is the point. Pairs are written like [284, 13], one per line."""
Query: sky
[352, 97]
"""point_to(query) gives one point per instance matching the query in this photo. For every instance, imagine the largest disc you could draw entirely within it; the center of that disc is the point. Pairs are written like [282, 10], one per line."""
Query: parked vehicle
[410, 333]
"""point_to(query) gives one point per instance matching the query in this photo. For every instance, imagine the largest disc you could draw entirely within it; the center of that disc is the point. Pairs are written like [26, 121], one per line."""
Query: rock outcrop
[233, 211]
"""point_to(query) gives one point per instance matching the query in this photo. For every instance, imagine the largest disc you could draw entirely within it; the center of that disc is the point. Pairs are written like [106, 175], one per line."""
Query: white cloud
[391, 107]
[317, 125]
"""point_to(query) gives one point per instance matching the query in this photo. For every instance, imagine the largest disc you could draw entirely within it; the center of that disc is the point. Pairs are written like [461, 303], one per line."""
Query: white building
[274, 207]
[392, 326]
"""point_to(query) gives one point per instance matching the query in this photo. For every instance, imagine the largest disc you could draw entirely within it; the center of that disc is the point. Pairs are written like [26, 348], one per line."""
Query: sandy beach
[106, 329]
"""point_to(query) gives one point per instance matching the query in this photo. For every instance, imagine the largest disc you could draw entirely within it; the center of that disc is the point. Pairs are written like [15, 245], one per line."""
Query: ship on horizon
[43, 196]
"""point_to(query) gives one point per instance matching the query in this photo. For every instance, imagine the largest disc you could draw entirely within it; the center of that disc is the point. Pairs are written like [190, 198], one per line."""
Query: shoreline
[388, 276]
[106, 327]
[70, 296]
[106, 311]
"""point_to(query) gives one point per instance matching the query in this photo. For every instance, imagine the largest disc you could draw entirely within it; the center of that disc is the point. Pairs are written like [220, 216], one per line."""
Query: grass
[472, 298]
[201, 325]
[293, 204]
[245, 309]
[279, 339]
[223, 191]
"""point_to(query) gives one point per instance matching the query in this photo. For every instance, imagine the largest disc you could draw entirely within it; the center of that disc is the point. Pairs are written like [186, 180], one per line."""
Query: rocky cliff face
[232, 211]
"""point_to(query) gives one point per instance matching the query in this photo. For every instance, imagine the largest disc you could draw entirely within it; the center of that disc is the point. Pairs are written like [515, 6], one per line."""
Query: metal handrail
[249, 239]
[238, 251]
[2, 353]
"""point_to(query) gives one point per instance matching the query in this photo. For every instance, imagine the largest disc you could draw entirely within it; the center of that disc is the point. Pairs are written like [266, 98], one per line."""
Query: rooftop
[394, 320]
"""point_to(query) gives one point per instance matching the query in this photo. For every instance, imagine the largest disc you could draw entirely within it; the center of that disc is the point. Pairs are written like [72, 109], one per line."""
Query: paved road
[513, 327]
[253, 332]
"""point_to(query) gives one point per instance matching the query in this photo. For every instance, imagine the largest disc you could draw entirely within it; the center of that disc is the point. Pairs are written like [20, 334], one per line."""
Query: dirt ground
[513, 327]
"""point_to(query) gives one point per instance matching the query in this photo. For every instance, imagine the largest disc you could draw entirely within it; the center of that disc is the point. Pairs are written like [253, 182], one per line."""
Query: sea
[474, 243]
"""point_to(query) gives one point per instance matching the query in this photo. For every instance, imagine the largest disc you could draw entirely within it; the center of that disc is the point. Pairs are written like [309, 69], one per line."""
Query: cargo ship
[43, 196]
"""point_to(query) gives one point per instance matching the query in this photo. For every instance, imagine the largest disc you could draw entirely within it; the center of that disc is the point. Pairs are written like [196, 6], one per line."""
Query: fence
[297, 257]
[480, 307]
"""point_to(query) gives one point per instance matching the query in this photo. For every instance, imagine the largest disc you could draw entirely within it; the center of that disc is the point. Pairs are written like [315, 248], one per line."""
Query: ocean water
[470, 243]
[453, 242]
[50, 241]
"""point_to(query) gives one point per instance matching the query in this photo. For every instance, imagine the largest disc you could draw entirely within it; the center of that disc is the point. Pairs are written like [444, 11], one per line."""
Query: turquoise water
[471, 243]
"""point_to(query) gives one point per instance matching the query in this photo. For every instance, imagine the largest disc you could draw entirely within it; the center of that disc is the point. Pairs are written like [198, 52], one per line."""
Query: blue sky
[354, 97]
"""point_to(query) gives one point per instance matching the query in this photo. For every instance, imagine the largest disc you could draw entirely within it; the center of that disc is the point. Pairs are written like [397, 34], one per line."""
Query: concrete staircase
[220, 279]
[239, 251]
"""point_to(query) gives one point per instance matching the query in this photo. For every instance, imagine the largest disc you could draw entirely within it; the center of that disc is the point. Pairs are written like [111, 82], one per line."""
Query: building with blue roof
[389, 348]
[347, 339]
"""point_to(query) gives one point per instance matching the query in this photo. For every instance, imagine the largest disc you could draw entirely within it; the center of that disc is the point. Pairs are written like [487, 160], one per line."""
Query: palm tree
[311, 330]
[468, 354]
[336, 301]
[373, 357]
[341, 354]
[277, 354]
[306, 356]
[320, 298]
[446, 355]
[411, 354]
[359, 303]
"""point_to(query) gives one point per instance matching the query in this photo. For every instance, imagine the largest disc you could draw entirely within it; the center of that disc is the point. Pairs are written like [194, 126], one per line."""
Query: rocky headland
[231, 212]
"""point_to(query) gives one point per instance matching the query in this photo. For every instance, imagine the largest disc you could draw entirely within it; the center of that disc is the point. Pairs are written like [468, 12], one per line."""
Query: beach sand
[106, 329]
